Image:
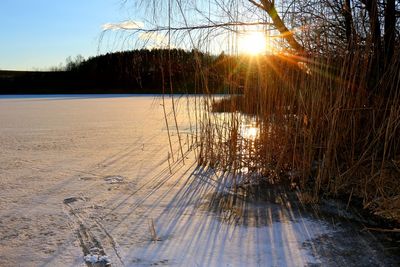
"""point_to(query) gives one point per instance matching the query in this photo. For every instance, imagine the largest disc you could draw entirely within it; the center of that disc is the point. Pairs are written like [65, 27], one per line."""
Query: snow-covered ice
[78, 173]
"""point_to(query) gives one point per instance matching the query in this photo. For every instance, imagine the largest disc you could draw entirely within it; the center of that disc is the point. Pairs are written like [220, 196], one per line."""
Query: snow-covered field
[90, 178]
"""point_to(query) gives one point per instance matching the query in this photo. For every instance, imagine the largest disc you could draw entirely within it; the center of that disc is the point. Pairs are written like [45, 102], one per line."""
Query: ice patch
[114, 179]
[100, 260]
[96, 259]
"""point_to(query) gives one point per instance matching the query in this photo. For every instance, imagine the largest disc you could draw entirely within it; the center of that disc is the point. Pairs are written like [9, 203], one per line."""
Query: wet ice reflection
[249, 131]
[249, 128]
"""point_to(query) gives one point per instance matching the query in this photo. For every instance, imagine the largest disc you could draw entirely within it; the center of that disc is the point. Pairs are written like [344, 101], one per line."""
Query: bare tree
[309, 28]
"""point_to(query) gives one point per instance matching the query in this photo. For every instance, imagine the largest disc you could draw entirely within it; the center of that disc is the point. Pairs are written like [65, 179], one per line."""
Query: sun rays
[255, 43]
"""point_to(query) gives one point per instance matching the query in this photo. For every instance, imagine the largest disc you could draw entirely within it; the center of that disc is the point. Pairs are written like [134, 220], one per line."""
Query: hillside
[137, 71]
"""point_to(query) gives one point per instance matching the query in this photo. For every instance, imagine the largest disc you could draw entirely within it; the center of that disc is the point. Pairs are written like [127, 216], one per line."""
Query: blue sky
[38, 34]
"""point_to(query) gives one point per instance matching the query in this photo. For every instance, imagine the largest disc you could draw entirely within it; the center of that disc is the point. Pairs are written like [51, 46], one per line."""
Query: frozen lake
[92, 176]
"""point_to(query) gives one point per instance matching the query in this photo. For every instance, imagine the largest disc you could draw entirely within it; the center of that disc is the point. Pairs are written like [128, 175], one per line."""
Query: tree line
[138, 71]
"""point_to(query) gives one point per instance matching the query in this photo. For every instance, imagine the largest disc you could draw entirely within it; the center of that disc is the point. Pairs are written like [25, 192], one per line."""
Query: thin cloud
[153, 37]
[155, 40]
[125, 25]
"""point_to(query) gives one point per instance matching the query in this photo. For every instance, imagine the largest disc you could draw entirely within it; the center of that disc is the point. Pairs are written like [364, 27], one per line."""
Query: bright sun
[253, 43]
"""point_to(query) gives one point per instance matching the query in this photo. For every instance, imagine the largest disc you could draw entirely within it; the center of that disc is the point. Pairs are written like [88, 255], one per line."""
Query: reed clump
[314, 124]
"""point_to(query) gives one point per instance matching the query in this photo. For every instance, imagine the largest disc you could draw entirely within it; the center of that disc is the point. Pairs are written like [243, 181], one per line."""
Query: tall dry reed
[317, 126]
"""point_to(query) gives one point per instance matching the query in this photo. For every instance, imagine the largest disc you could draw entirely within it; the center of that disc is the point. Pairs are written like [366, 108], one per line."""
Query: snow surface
[91, 178]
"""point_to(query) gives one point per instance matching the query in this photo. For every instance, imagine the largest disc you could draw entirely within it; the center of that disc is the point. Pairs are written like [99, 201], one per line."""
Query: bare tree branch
[269, 7]
[198, 27]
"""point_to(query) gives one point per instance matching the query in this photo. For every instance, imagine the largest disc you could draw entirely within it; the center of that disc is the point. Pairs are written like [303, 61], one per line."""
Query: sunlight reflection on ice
[249, 129]
[249, 132]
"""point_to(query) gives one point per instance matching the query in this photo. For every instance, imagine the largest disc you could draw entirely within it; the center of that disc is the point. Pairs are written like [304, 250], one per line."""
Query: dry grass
[318, 124]
[152, 231]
